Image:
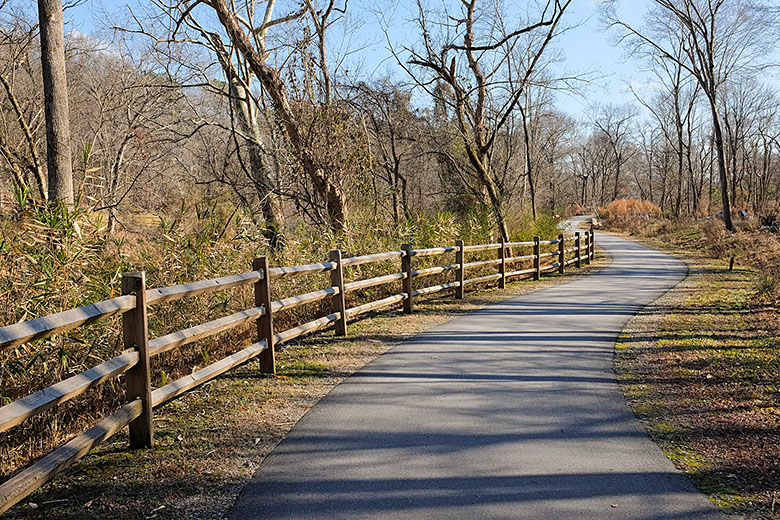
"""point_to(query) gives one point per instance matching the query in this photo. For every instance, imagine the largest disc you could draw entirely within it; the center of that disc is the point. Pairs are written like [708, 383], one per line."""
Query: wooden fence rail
[135, 361]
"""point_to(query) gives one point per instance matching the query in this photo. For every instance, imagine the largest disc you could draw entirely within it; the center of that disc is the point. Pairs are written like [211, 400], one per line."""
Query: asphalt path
[512, 411]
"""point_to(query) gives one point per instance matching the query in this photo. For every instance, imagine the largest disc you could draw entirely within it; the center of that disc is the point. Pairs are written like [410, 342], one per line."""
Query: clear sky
[586, 47]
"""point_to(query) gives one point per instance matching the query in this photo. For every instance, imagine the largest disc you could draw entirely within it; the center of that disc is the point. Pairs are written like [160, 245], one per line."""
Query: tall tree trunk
[116, 167]
[394, 196]
[650, 175]
[269, 203]
[695, 194]
[496, 205]
[664, 184]
[732, 146]
[528, 163]
[405, 197]
[709, 192]
[722, 173]
[678, 203]
[395, 175]
[481, 164]
[55, 96]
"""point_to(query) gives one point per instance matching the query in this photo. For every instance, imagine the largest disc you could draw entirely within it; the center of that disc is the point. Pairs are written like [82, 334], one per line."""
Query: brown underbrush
[52, 259]
[750, 246]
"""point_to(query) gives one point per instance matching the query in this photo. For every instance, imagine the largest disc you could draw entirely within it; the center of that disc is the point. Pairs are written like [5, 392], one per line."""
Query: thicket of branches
[251, 105]
[709, 141]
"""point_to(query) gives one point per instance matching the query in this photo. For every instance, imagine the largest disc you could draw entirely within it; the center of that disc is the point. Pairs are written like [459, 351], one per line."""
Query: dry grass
[211, 441]
[625, 214]
[701, 370]
[757, 249]
[51, 260]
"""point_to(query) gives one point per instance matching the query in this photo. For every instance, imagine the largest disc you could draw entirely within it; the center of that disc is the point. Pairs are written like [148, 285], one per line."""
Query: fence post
[460, 274]
[502, 265]
[339, 299]
[265, 323]
[537, 263]
[592, 244]
[578, 264]
[587, 248]
[561, 253]
[406, 267]
[135, 333]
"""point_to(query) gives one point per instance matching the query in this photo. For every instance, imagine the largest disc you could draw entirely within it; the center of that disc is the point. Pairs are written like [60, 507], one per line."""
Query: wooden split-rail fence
[136, 300]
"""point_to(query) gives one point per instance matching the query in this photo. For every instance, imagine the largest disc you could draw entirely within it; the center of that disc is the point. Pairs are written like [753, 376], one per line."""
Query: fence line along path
[137, 301]
[509, 412]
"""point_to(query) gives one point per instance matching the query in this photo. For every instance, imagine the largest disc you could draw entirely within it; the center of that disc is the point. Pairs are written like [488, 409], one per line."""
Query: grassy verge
[211, 441]
[701, 369]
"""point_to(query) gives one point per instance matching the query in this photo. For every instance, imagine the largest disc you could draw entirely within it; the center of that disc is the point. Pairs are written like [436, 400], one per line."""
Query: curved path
[509, 412]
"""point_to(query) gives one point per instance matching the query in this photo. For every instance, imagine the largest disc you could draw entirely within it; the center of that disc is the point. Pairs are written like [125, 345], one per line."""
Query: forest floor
[210, 441]
[701, 369]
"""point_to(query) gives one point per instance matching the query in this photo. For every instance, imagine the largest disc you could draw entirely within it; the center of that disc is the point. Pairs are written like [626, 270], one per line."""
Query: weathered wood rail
[136, 359]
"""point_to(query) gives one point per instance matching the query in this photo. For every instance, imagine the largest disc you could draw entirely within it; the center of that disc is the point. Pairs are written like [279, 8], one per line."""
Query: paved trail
[509, 412]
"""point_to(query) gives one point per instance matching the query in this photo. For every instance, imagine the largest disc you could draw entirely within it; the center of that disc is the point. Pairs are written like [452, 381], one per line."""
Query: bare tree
[528, 139]
[614, 123]
[767, 149]
[245, 111]
[596, 157]
[391, 123]
[647, 144]
[245, 59]
[127, 122]
[719, 38]
[744, 105]
[19, 81]
[673, 110]
[473, 56]
[554, 145]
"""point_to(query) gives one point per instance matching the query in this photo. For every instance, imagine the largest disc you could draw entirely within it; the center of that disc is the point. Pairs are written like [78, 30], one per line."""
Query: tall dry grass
[630, 215]
[52, 259]
[750, 247]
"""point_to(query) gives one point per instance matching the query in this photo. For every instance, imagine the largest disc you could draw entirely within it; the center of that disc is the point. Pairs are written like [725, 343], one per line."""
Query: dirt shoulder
[210, 442]
[700, 367]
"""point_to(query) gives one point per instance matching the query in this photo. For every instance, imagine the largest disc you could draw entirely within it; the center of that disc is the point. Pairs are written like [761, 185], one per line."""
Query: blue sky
[586, 47]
